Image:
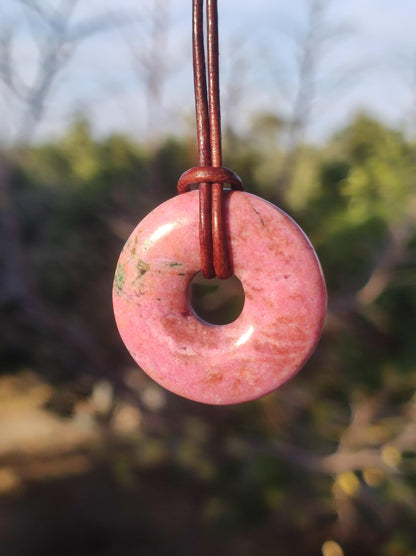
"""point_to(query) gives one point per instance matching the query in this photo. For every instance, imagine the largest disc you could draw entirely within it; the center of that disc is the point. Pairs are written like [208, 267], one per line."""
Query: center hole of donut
[216, 301]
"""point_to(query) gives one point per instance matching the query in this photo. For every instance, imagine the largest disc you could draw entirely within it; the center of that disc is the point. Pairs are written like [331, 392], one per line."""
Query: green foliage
[263, 463]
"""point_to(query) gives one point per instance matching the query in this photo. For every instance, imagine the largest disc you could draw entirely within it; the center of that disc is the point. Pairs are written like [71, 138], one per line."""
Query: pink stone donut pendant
[282, 317]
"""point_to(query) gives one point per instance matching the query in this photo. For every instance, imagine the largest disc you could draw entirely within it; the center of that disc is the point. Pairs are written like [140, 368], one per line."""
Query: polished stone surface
[282, 318]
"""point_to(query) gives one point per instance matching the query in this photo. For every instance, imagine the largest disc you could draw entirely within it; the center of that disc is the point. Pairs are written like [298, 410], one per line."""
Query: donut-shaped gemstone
[277, 330]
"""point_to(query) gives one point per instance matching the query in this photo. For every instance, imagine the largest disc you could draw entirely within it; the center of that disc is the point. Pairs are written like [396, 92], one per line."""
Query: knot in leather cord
[210, 175]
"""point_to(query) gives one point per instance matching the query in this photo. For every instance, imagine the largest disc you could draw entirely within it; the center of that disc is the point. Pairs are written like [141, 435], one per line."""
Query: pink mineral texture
[282, 318]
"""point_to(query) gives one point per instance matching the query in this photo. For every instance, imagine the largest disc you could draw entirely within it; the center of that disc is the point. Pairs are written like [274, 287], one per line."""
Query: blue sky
[370, 64]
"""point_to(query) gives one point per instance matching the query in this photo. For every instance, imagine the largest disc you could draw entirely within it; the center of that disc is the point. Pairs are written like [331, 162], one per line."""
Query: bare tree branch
[151, 63]
[19, 292]
[393, 255]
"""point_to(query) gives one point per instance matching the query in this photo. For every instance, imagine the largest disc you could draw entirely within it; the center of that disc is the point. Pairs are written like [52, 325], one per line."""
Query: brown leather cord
[221, 264]
[210, 174]
[203, 133]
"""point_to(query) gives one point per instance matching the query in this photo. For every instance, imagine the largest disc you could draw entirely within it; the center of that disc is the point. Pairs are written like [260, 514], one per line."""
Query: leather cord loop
[210, 175]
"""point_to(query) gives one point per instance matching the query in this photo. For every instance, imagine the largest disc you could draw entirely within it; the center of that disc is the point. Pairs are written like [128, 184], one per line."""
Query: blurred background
[97, 124]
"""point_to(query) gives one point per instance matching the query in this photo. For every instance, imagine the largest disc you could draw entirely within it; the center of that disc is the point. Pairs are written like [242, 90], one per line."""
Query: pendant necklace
[220, 232]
